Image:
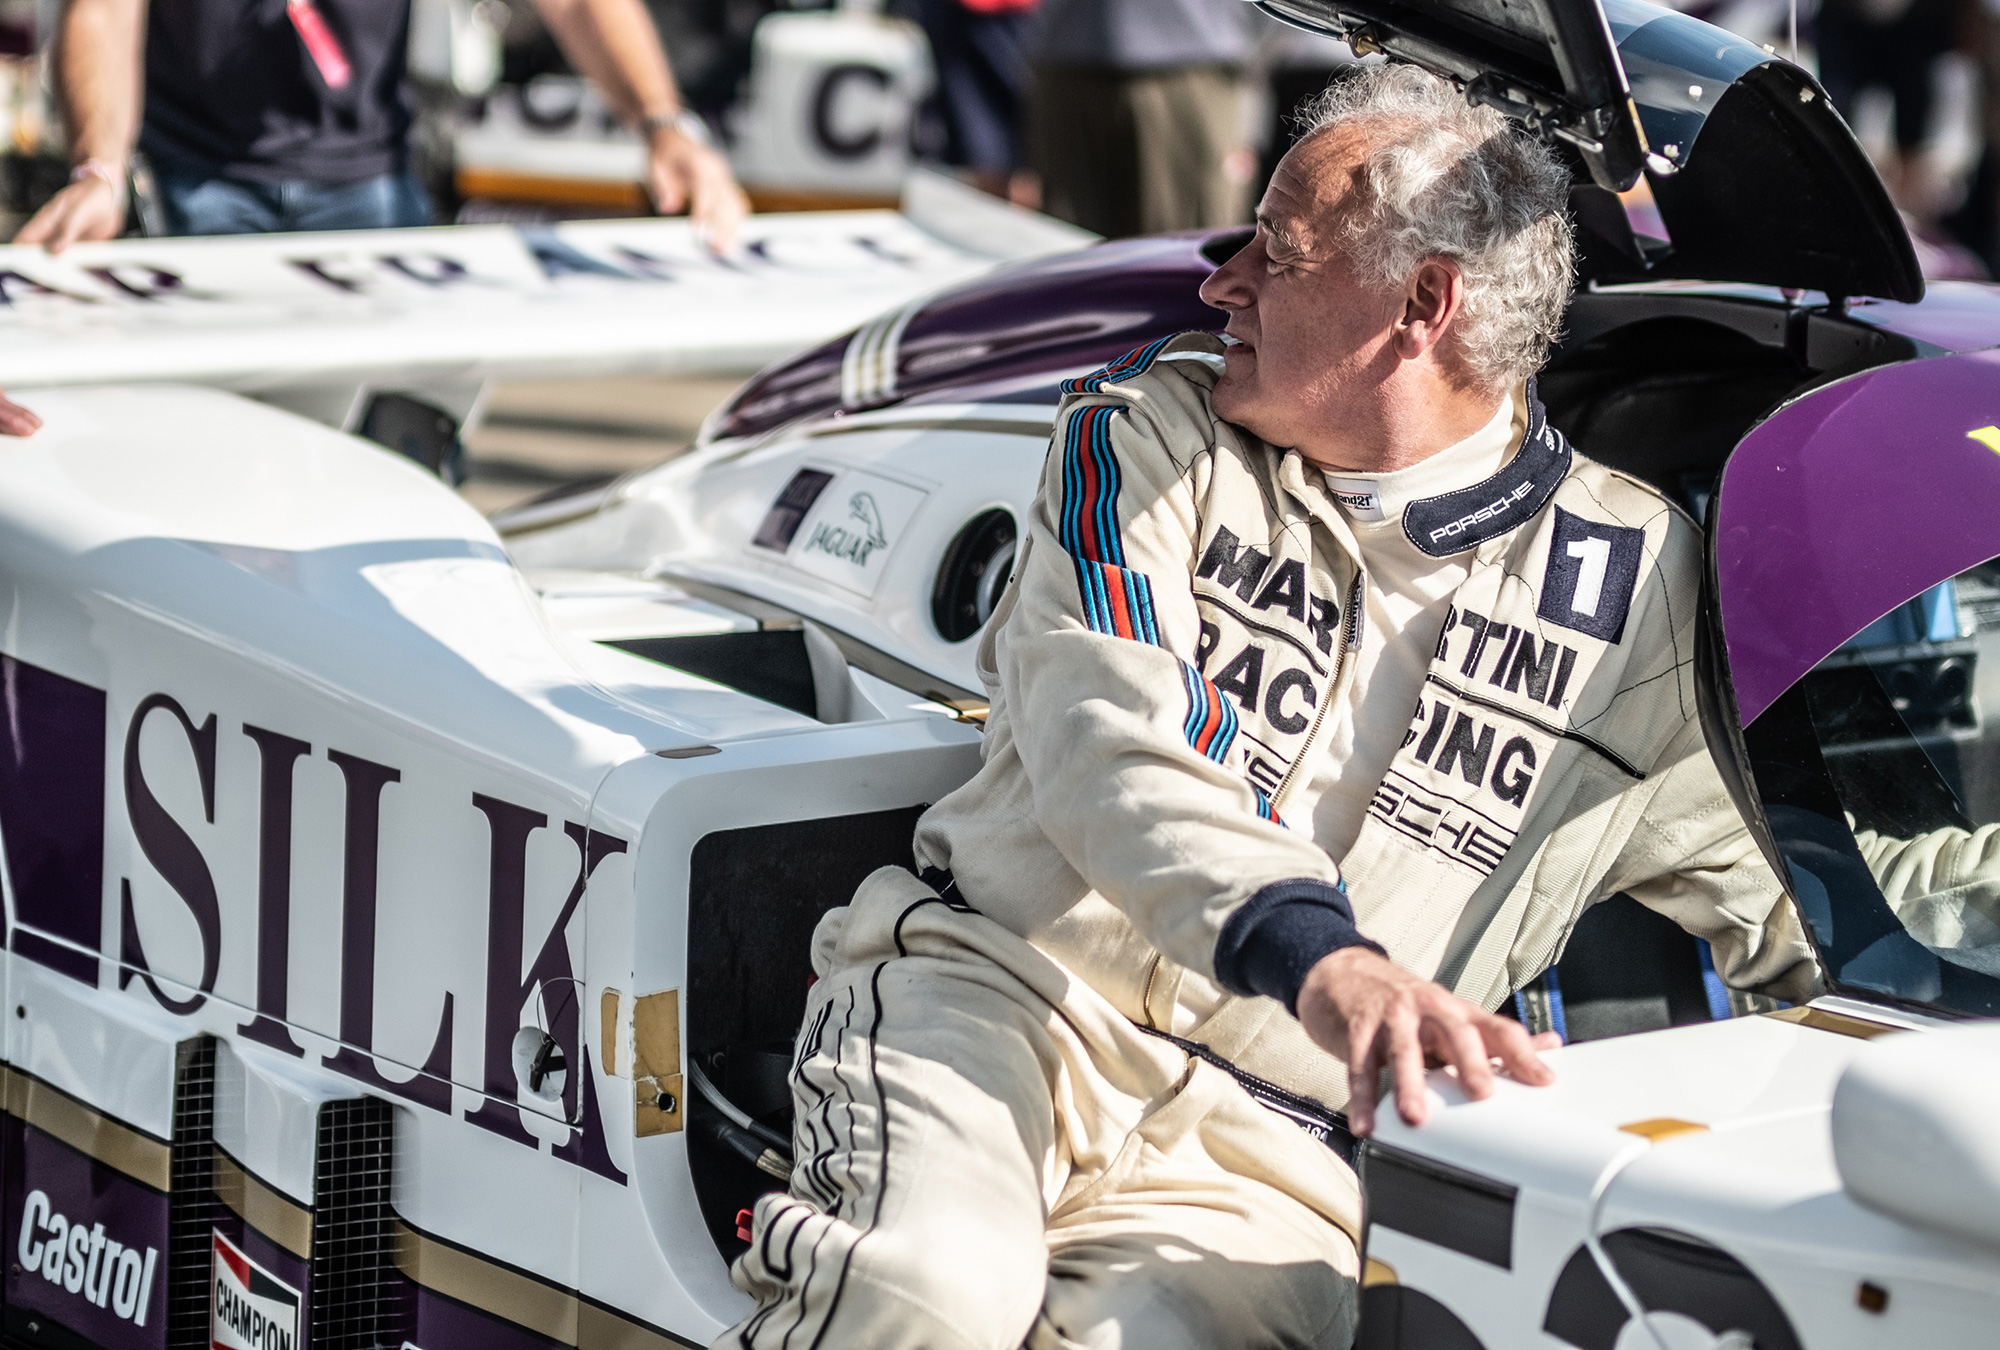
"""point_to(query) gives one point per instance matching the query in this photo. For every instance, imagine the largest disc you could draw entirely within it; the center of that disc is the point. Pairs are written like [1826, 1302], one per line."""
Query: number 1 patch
[1592, 571]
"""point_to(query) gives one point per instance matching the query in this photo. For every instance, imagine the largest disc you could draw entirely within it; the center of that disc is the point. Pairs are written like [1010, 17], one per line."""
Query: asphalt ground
[540, 435]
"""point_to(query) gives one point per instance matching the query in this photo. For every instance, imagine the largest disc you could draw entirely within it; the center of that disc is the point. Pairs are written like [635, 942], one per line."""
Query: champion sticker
[1593, 569]
[251, 1308]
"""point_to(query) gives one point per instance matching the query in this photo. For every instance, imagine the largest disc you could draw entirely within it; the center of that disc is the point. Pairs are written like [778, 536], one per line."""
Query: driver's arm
[1126, 744]
[1692, 860]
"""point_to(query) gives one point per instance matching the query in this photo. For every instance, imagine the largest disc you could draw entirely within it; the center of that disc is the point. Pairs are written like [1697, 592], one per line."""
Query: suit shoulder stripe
[1125, 367]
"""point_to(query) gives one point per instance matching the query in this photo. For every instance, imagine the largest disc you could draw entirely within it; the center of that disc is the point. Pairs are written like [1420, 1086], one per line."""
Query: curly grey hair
[1445, 179]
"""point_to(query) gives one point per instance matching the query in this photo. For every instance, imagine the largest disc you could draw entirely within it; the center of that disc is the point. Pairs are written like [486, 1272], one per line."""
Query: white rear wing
[310, 321]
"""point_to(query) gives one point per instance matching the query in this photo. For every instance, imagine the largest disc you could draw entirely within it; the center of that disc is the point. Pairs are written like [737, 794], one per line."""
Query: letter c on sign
[34, 1217]
[828, 94]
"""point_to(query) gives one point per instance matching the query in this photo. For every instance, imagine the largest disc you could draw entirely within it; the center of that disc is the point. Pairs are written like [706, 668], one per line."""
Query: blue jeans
[199, 202]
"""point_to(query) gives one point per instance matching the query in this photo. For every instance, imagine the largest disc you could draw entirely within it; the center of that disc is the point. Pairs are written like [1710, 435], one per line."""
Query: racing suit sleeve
[1125, 743]
[1692, 860]
[1944, 885]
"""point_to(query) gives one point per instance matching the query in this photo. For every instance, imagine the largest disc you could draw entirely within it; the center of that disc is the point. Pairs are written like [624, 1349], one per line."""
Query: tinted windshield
[1879, 773]
[1677, 68]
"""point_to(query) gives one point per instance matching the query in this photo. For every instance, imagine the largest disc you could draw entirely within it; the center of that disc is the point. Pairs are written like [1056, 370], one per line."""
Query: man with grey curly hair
[1331, 689]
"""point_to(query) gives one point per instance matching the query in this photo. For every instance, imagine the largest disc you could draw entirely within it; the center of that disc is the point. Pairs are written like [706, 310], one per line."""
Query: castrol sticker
[251, 1309]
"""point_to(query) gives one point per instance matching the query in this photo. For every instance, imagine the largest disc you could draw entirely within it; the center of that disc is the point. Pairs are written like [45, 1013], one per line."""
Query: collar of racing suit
[1378, 499]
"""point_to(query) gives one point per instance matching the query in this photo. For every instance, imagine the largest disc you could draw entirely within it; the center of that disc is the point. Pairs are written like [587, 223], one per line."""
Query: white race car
[407, 918]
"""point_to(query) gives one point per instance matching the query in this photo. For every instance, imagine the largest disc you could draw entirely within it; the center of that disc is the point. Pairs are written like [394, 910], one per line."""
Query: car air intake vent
[973, 575]
[771, 664]
[192, 1209]
[357, 1300]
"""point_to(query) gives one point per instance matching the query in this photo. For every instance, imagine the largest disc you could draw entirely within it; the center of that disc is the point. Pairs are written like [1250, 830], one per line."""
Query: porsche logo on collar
[1467, 518]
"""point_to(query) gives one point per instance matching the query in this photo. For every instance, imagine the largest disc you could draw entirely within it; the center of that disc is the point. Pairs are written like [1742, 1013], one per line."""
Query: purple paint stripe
[1847, 503]
[1018, 327]
[52, 811]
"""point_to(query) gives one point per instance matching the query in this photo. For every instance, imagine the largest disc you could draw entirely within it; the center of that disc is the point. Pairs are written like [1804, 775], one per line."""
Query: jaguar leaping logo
[862, 507]
[854, 545]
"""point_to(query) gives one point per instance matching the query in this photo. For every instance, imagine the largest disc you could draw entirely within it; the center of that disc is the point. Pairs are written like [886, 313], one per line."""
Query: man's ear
[1432, 303]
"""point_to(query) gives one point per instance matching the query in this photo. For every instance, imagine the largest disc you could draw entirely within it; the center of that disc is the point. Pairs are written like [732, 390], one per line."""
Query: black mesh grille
[191, 1204]
[357, 1301]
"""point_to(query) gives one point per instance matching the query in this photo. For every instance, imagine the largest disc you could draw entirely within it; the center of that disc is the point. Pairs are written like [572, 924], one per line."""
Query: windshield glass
[1879, 773]
[1677, 68]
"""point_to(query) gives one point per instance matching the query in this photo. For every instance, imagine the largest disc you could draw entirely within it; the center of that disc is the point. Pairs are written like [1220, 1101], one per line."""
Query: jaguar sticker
[853, 542]
[853, 529]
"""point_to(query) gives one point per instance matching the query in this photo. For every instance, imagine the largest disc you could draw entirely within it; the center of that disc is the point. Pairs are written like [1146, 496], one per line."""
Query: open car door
[1851, 673]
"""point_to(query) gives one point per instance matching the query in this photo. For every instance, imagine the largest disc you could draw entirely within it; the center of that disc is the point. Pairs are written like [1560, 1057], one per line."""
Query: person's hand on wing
[16, 420]
[683, 171]
[91, 207]
[1374, 1014]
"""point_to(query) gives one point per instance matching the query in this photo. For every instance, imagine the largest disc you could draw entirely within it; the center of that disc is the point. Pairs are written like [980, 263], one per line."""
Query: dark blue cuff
[1280, 933]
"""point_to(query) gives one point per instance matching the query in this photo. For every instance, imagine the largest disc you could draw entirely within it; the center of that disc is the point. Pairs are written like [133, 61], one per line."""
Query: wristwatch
[686, 123]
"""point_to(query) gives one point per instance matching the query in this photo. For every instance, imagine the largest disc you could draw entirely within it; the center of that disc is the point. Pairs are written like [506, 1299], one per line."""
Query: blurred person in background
[1892, 45]
[1297, 66]
[980, 48]
[266, 115]
[1136, 120]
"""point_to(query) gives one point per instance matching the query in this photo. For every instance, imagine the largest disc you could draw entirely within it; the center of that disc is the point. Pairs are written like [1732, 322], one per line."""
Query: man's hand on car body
[16, 420]
[1374, 1014]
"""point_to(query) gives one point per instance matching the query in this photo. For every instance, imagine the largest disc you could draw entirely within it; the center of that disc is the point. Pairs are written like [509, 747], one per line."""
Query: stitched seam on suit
[824, 1191]
[882, 1172]
[1269, 630]
[1567, 734]
[1247, 1079]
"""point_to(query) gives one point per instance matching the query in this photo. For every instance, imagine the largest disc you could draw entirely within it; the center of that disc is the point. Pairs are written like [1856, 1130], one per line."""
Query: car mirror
[1929, 1089]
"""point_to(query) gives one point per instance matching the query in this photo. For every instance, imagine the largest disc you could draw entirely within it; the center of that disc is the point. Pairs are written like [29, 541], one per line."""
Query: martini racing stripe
[1090, 489]
[1211, 722]
[1118, 601]
[1124, 368]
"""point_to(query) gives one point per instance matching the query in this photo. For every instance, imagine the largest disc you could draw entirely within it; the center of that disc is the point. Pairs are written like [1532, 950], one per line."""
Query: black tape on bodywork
[1667, 1272]
[1461, 1210]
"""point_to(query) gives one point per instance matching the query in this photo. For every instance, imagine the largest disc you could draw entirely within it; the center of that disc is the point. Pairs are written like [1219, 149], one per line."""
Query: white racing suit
[1055, 1095]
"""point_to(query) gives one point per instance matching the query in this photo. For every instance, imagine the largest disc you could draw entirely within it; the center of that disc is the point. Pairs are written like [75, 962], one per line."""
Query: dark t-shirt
[230, 84]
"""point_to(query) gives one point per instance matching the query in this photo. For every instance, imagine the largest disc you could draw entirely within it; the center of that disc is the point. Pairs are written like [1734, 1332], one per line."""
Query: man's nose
[1229, 286]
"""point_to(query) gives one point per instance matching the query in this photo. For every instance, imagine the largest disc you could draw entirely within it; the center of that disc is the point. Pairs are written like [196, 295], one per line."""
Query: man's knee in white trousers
[1159, 1291]
[921, 1286]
